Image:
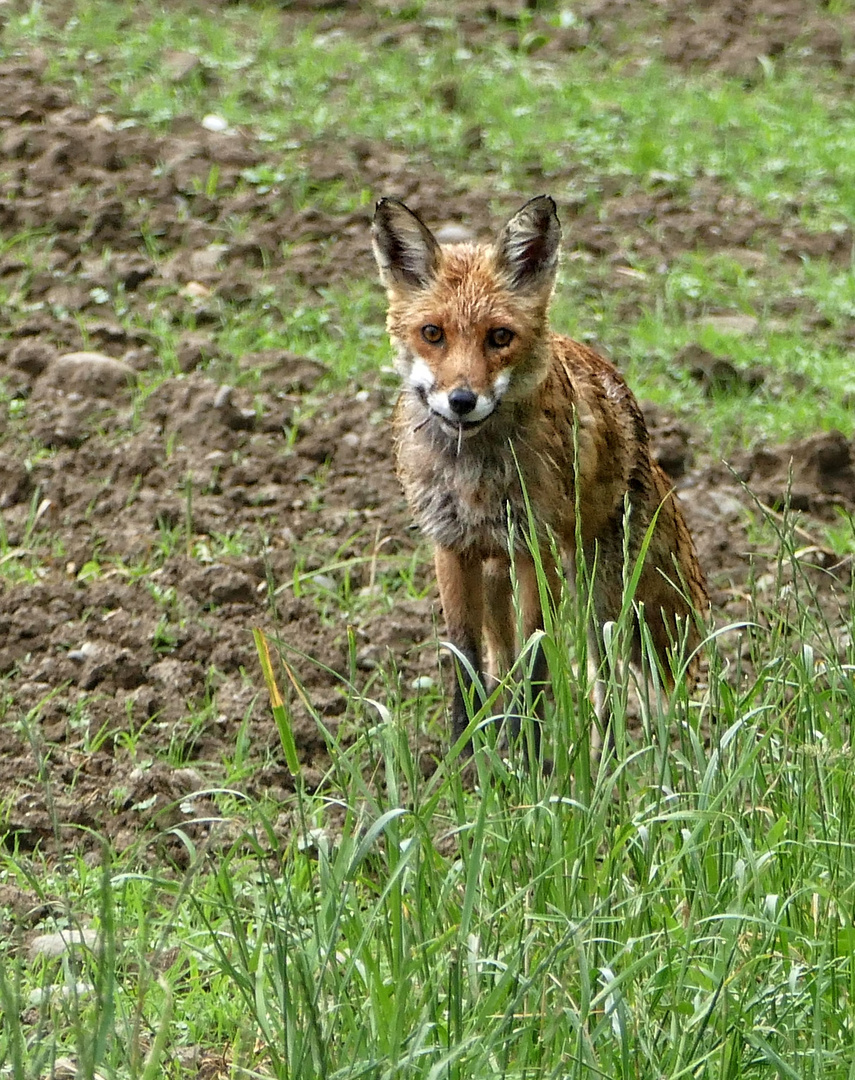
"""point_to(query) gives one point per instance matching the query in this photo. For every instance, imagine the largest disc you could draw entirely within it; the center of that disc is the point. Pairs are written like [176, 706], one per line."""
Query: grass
[584, 126]
[680, 907]
[780, 141]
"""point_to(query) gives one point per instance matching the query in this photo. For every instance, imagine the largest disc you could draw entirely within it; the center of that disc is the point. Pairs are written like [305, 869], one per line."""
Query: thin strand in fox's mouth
[467, 425]
[420, 425]
[459, 437]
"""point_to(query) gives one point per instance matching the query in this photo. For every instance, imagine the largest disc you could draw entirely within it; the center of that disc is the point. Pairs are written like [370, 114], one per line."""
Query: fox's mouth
[459, 428]
[456, 426]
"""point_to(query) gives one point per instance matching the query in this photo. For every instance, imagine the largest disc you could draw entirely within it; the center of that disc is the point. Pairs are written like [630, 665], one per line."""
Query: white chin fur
[503, 381]
[420, 376]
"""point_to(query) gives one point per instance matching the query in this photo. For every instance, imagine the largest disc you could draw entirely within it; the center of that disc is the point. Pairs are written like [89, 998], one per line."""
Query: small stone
[738, 325]
[195, 290]
[324, 581]
[89, 374]
[53, 945]
[213, 122]
[85, 652]
[39, 996]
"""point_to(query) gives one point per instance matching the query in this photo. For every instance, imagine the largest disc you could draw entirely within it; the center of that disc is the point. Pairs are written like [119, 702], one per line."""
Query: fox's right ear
[404, 246]
[528, 246]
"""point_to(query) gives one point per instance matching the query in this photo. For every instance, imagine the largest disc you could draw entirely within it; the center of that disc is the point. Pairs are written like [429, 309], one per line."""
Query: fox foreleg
[532, 601]
[500, 629]
[461, 591]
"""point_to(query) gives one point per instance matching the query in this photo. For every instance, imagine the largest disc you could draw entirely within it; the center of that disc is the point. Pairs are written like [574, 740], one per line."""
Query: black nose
[462, 401]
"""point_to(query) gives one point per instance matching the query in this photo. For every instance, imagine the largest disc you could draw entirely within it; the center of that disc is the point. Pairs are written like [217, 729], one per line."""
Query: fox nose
[462, 401]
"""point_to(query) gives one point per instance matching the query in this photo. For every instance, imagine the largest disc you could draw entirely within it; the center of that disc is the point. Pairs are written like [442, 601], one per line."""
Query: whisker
[420, 425]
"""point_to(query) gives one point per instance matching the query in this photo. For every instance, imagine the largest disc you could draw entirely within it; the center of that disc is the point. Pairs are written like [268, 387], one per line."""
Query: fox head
[470, 321]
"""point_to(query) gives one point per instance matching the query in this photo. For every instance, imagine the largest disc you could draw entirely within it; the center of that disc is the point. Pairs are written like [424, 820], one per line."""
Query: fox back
[502, 422]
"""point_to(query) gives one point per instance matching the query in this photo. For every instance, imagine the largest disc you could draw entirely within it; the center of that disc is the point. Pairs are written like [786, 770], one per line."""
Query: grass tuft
[679, 905]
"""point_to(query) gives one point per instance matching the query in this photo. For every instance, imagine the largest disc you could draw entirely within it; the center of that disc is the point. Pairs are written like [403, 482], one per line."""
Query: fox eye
[432, 334]
[500, 337]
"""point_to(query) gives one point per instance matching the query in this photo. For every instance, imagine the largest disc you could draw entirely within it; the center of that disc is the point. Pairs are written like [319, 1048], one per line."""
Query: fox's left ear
[527, 247]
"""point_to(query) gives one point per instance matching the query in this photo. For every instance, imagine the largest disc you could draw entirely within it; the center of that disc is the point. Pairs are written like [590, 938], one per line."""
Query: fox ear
[527, 247]
[405, 248]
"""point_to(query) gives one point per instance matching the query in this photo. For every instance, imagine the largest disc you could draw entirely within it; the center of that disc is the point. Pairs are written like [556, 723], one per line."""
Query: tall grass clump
[678, 904]
[684, 912]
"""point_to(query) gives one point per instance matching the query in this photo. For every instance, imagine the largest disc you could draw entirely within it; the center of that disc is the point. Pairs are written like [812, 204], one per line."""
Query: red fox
[498, 421]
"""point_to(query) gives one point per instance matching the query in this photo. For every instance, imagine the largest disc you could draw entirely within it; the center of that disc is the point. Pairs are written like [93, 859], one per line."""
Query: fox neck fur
[522, 464]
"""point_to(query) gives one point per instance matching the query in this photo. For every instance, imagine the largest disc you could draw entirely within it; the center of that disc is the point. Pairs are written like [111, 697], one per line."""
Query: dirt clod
[87, 375]
[144, 538]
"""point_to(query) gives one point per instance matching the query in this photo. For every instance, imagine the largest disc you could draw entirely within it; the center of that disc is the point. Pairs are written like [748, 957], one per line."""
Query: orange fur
[494, 404]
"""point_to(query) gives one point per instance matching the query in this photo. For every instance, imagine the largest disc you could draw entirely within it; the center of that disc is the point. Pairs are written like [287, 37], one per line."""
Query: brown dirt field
[124, 692]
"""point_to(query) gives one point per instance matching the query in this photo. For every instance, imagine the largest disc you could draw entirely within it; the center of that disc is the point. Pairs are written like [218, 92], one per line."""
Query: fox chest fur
[521, 469]
[505, 432]
[463, 496]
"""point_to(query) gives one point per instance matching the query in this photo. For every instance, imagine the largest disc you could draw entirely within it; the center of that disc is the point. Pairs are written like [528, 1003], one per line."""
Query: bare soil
[127, 690]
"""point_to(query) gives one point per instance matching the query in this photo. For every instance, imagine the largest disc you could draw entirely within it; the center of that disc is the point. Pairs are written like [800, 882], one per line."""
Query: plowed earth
[159, 530]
